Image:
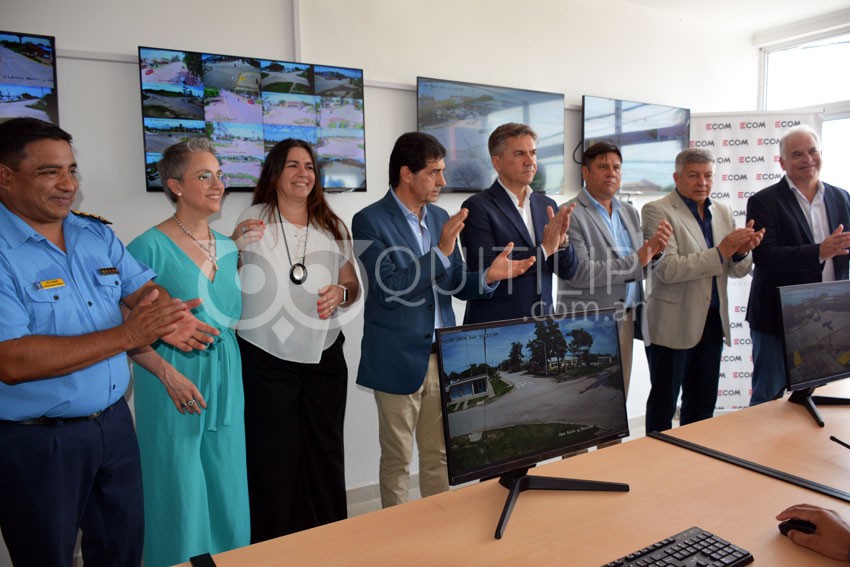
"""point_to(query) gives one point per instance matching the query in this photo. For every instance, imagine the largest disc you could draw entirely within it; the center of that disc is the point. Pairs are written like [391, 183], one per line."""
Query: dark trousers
[294, 416]
[57, 479]
[694, 371]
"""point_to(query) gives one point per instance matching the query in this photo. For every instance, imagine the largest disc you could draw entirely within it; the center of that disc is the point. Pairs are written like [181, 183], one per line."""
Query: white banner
[747, 151]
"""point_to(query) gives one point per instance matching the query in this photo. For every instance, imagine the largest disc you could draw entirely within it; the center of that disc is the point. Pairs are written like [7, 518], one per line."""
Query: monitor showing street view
[463, 115]
[520, 391]
[649, 136]
[816, 333]
[28, 77]
[245, 105]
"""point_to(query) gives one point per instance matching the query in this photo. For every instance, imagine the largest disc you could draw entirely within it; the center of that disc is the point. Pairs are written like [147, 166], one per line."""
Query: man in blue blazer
[509, 212]
[412, 268]
[804, 242]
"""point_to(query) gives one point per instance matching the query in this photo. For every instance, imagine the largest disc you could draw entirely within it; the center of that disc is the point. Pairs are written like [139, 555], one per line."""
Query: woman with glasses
[190, 405]
[297, 281]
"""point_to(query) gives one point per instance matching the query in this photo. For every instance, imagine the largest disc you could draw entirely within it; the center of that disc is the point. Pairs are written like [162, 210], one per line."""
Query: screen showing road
[520, 391]
[246, 105]
[28, 77]
[816, 333]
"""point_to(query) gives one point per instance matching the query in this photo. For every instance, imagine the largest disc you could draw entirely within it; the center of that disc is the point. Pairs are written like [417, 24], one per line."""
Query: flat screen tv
[649, 136]
[462, 116]
[245, 105]
[816, 340]
[520, 391]
[28, 77]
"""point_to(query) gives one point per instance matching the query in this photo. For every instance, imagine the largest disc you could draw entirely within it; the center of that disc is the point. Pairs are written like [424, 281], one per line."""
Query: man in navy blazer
[510, 212]
[412, 268]
[804, 242]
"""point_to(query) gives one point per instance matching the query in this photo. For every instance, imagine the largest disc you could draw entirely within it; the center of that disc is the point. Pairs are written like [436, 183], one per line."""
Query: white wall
[572, 46]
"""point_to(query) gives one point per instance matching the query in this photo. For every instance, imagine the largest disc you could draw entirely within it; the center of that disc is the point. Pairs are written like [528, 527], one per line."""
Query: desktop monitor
[649, 136]
[463, 115]
[246, 105]
[28, 77]
[816, 339]
[520, 391]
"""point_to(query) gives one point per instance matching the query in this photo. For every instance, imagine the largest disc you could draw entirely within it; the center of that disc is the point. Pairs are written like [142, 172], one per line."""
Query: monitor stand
[519, 481]
[805, 398]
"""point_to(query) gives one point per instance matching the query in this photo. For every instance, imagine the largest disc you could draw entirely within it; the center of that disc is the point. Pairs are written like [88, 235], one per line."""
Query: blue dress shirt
[45, 291]
[622, 238]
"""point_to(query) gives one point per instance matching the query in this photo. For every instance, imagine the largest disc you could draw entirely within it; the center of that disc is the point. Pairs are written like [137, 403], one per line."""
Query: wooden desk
[671, 490]
[784, 436]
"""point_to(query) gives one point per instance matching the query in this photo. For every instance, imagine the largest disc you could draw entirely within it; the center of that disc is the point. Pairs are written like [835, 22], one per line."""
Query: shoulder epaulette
[91, 216]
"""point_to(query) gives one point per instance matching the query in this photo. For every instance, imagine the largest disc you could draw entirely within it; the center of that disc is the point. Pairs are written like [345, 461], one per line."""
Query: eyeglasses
[206, 178]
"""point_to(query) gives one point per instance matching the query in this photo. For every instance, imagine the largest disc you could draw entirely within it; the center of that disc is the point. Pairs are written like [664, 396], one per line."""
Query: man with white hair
[805, 241]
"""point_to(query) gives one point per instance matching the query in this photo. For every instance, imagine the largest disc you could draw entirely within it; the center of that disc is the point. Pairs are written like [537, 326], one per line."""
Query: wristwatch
[344, 294]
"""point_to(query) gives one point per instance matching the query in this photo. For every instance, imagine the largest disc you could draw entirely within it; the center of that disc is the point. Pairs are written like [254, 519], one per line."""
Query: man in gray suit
[611, 251]
[687, 308]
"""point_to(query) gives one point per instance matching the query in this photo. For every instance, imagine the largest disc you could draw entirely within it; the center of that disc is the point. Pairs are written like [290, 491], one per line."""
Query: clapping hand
[503, 268]
[555, 231]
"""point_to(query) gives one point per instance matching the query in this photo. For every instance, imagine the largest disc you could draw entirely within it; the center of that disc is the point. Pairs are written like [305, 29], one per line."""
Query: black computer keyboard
[694, 547]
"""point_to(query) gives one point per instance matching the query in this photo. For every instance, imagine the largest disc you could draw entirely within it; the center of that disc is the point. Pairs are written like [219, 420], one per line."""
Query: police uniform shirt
[45, 291]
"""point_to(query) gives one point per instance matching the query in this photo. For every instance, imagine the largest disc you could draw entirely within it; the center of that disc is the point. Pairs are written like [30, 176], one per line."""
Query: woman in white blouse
[297, 272]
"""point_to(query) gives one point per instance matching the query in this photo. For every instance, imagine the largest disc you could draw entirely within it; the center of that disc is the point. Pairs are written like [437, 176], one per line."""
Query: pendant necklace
[298, 271]
[209, 249]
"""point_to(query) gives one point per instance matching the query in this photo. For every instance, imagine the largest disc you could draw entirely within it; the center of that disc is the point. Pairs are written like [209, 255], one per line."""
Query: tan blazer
[679, 289]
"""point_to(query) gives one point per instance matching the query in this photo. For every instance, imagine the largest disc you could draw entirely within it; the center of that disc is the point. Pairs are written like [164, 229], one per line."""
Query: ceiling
[746, 16]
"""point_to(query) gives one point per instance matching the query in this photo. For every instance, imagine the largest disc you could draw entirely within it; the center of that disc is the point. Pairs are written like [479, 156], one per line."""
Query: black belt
[44, 420]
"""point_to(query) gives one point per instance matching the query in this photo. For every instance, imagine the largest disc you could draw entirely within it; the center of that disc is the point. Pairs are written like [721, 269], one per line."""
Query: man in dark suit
[804, 221]
[413, 268]
[510, 213]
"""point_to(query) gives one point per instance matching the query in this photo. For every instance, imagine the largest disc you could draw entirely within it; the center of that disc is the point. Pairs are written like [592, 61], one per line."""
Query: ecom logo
[736, 142]
[723, 393]
[751, 125]
[701, 144]
[734, 177]
[750, 159]
[767, 141]
[718, 125]
[785, 123]
[768, 176]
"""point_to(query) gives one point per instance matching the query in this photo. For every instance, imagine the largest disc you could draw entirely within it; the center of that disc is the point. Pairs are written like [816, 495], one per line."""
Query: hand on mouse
[797, 524]
[831, 537]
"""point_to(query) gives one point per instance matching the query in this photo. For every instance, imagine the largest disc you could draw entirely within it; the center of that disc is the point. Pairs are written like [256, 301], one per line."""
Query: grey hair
[173, 162]
[499, 137]
[799, 129]
[694, 155]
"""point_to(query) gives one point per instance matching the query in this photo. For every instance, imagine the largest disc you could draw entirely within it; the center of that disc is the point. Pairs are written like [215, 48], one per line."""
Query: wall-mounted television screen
[649, 136]
[28, 77]
[816, 339]
[245, 105]
[462, 116]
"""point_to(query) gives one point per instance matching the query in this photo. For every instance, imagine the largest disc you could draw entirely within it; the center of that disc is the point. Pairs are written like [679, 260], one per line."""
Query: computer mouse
[796, 524]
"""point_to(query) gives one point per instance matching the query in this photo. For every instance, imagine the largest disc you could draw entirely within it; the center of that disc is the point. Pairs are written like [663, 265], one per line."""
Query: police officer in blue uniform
[69, 459]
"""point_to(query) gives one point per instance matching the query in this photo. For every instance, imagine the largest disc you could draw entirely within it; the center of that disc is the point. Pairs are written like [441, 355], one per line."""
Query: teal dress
[193, 467]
